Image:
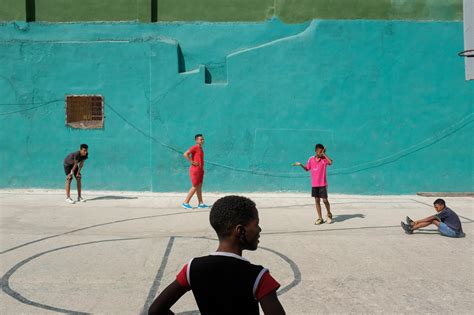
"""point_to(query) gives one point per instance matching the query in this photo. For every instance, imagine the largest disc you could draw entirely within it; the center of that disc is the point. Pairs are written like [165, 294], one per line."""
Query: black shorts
[320, 192]
[68, 169]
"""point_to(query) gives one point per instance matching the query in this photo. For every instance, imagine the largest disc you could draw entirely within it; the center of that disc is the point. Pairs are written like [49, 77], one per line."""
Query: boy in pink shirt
[317, 165]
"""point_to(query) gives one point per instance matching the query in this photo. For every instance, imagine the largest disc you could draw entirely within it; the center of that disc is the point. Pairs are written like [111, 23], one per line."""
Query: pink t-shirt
[318, 171]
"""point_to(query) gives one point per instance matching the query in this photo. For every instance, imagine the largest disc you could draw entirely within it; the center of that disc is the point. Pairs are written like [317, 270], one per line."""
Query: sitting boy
[224, 282]
[446, 220]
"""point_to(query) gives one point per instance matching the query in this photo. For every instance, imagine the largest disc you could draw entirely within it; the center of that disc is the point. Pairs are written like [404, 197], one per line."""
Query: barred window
[85, 111]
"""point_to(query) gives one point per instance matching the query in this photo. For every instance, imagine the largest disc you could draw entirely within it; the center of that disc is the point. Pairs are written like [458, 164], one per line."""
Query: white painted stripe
[469, 36]
[257, 281]
[188, 271]
[228, 255]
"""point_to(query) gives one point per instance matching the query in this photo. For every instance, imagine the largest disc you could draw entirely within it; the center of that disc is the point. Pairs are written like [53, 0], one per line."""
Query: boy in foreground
[317, 164]
[73, 164]
[224, 282]
[445, 219]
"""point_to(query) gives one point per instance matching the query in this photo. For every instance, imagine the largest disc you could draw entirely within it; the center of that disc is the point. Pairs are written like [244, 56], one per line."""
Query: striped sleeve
[182, 278]
[264, 285]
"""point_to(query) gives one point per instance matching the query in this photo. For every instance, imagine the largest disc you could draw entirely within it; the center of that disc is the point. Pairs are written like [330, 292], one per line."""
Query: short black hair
[439, 202]
[319, 146]
[197, 136]
[230, 211]
[84, 146]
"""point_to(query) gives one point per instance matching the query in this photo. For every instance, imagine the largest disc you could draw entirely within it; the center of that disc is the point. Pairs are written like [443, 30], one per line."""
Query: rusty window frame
[84, 111]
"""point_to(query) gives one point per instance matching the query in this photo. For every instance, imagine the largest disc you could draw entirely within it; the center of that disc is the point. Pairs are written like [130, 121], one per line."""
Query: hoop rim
[466, 53]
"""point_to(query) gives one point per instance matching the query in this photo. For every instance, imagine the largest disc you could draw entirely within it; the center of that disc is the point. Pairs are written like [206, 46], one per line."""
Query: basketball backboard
[469, 38]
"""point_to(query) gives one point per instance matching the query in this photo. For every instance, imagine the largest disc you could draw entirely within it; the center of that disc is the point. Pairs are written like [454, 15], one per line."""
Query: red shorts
[197, 176]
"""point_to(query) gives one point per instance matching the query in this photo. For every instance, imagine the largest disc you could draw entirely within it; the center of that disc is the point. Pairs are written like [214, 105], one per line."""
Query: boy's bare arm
[427, 219]
[80, 168]
[271, 305]
[302, 166]
[74, 167]
[187, 156]
[327, 157]
[166, 299]
[69, 176]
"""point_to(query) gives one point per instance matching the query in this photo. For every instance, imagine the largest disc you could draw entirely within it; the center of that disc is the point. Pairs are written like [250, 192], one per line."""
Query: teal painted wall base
[388, 99]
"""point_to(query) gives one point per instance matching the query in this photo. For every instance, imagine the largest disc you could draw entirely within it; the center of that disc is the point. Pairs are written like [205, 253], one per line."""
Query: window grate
[85, 111]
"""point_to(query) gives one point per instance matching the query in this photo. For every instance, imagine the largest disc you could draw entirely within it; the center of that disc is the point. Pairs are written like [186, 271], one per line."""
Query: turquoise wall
[388, 98]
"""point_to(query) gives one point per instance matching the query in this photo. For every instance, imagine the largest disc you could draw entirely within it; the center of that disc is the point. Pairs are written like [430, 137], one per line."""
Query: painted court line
[159, 275]
[5, 280]
[96, 225]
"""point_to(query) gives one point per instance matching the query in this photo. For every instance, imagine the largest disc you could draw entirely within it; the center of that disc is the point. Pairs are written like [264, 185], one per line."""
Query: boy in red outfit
[195, 155]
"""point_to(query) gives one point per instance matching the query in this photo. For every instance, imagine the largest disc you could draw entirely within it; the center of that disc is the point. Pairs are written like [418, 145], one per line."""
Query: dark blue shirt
[450, 218]
[75, 156]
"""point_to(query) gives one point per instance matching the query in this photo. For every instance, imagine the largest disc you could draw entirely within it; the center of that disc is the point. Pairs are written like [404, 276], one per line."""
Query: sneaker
[186, 206]
[409, 221]
[203, 206]
[406, 228]
[70, 200]
[319, 221]
[329, 218]
[80, 199]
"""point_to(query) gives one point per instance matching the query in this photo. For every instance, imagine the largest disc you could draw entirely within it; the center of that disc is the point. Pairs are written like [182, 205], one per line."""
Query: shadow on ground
[111, 198]
[344, 217]
[426, 232]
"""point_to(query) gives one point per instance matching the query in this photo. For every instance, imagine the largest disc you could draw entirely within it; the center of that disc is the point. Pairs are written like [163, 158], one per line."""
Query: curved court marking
[294, 268]
[201, 211]
[5, 285]
[97, 225]
[291, 263]
[103, 224]
[5, 280]
[156, 283]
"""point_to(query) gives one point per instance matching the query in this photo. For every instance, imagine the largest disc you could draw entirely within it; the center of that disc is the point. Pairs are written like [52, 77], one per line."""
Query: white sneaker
[80, 199]
[70, 200]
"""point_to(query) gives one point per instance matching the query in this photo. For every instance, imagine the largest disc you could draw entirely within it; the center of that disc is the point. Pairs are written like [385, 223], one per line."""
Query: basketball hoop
[467, 53]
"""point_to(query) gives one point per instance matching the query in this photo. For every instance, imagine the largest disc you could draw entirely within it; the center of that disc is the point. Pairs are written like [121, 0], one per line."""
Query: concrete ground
[115, 252]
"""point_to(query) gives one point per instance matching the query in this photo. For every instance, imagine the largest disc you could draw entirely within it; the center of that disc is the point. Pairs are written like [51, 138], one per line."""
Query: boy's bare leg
[421, 224]
[318, 208]
[79, 187]
[328, 207]
[68, 187]
[199, 193]
[190, 194]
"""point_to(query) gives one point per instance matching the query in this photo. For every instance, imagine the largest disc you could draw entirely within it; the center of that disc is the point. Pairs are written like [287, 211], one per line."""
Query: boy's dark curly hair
[230, 211]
